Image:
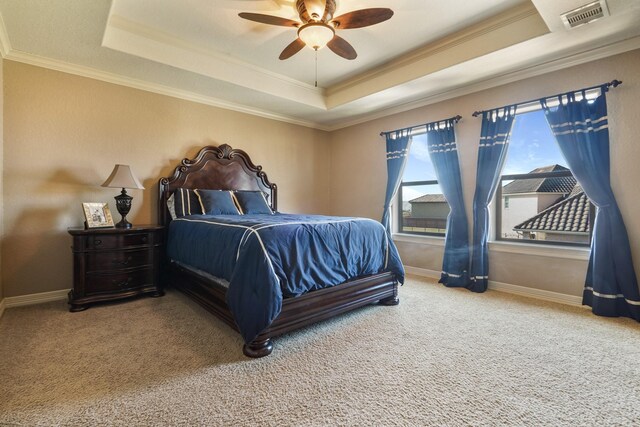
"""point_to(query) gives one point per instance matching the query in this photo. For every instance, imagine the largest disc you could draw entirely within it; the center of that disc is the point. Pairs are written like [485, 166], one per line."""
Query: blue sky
[419, 167]
[532, 145]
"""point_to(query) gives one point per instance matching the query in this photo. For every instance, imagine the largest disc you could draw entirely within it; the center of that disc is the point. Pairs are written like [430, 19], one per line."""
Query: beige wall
[64, 134]
[358, 158]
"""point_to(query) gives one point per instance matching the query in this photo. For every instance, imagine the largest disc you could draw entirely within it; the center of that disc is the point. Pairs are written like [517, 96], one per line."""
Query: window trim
[580, 253]
[498, 212]
[420, 239]
[400, 229]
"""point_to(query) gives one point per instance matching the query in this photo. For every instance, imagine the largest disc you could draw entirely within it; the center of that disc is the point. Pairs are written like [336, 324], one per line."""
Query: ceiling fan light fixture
[316, 35]
[317, 26]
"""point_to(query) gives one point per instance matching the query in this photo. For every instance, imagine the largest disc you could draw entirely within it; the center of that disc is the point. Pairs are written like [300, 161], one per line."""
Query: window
[422, 207]
[538, 199]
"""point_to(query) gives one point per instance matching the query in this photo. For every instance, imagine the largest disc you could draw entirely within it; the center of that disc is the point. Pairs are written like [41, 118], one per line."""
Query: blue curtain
[581, 129]
[397, 151]
[494, 141]
[443, 151]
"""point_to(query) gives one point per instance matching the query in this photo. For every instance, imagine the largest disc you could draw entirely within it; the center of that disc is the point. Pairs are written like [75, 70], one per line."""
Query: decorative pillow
[171, 205]
[217, 202]
[185, 202]
[252, 202]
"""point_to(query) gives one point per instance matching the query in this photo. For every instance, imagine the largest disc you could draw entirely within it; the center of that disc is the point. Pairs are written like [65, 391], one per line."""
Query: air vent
[585, 14]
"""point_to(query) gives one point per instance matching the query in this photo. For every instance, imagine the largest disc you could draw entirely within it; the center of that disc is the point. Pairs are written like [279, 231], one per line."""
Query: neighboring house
[565, 221]
[428, 212]
[525, 198]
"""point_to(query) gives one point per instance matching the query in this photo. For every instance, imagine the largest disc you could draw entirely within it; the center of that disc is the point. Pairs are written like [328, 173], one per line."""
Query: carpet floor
[443, 357]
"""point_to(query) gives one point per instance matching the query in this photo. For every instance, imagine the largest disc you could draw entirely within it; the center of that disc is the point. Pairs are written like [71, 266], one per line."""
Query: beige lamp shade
[122, 177]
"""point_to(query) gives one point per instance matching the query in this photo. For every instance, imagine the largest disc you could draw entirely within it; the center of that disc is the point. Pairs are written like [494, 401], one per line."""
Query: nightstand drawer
[120, 281]
[118, 260]
[118, 241]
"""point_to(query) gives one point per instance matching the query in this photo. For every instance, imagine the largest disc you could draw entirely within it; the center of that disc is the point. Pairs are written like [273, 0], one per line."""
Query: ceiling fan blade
[362, 18]
[293, 48]
[269, 19]
[329, 10]
[341, 47]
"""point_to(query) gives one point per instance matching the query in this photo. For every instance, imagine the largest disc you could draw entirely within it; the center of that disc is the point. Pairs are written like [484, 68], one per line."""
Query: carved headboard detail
[216, 168]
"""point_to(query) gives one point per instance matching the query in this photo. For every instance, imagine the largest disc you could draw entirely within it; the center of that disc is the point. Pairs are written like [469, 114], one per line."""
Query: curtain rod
[606, 86]
[410, 128]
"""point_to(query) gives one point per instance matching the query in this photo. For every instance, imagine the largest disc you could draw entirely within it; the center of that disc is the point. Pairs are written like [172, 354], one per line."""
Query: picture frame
[97, 215]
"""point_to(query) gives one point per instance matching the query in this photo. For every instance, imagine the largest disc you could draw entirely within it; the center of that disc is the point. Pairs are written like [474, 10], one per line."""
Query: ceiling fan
[318, 26]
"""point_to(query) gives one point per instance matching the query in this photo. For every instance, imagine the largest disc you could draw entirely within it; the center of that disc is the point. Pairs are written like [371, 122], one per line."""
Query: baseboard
[2, 307]
[35, 298]
[536, 293]
[422, 272]
[508, 288]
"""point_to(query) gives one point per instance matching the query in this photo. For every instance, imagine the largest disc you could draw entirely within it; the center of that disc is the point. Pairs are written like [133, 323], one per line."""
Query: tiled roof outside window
[542, 185]
[569, 215]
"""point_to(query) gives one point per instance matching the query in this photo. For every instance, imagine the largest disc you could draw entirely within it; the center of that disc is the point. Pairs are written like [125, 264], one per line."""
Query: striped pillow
[185, 202]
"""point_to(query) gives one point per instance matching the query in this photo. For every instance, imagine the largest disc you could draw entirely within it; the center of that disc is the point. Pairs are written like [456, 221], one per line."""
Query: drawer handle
[123, 283]
[125, 262]
[144, 239]
[97, 242]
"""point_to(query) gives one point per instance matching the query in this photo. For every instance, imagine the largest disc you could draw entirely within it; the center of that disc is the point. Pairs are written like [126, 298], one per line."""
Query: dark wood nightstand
[115, 263]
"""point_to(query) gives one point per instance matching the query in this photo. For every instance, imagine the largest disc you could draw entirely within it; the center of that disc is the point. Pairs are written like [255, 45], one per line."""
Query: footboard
[324, 304]
[296, 312]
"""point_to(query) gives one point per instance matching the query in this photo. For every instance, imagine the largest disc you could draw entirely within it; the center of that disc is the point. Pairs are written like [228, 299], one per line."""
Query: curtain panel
[581, 129]
[443, 151]
[397, 151]
[494, 141]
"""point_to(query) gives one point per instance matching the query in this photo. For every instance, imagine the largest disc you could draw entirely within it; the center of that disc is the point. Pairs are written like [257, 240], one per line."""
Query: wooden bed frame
[224, 168]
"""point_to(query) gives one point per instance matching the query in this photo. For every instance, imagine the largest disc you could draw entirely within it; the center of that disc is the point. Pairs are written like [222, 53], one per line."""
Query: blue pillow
[217, 202]
[252, 202]
[185, 202]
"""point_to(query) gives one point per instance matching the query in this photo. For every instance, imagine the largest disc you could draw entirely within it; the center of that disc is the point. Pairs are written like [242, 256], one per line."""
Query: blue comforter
[268, 257]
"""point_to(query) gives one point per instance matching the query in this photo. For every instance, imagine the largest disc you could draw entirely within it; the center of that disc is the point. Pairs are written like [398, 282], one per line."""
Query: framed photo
[97, 215]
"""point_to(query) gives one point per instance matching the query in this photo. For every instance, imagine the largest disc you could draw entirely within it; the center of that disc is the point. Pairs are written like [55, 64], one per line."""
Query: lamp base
[123, 204]
[124, 223]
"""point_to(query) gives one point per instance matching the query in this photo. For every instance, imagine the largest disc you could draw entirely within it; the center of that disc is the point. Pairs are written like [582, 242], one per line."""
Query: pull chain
[316, 67]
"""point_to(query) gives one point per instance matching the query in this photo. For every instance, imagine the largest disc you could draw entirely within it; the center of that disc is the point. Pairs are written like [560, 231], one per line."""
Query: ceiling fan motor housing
[316, 10]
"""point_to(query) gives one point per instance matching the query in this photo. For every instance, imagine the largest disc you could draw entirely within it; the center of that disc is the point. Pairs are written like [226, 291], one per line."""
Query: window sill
[551, 251]
[415, 238]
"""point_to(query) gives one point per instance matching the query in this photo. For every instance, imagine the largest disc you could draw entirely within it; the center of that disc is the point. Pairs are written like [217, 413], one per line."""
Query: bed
[225, 168]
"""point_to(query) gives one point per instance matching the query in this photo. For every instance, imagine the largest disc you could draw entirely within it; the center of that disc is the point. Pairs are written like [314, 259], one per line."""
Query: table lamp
[122, 177]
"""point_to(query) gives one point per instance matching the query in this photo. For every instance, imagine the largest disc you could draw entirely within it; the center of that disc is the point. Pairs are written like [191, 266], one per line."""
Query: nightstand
[115, 263]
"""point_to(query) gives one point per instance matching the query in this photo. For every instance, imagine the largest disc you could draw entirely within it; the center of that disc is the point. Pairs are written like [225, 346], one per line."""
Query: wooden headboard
[216, 168]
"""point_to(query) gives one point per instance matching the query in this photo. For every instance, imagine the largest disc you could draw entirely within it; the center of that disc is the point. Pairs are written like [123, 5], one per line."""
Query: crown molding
[506, 29]
[11, 54]
[539, 69]
[159, 36]
[524, 73]
[139, 40]
[506, 18]
[92, 73]
[615, 48]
